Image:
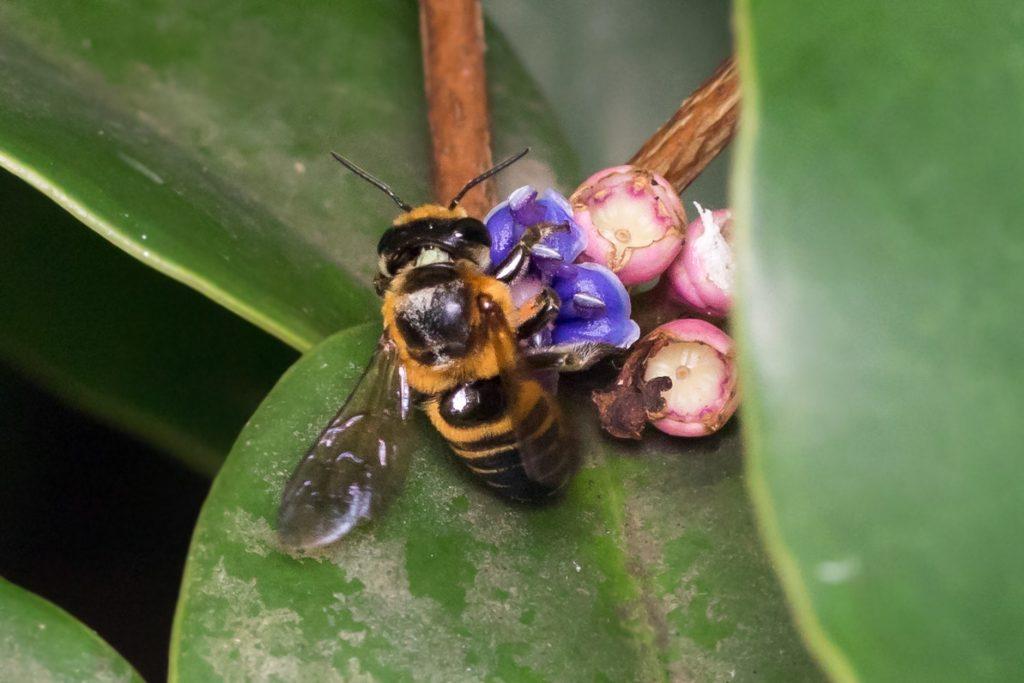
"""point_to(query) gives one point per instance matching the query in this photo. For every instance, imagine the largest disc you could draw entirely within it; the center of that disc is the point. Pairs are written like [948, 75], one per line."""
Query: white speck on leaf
[260, 643]
[141, 168]
[254, 533]
[837, 571]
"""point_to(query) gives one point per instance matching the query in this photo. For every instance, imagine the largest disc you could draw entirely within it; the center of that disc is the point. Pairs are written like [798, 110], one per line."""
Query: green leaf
[197, 140]
[122, 341]
[881, 253]
[41, 642]
[649, 569]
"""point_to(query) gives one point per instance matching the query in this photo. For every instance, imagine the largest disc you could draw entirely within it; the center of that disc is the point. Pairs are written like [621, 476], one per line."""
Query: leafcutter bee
[454, 342]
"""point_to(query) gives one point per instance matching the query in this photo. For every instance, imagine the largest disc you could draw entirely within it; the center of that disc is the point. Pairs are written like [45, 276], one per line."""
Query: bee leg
[518, 259]
[537, 313]
[381, 283]
[571, 357]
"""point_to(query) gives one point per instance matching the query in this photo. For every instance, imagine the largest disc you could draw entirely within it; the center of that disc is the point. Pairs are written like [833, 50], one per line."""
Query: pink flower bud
[702, 276]
[699, 361]
[680, 377]
[633, 219]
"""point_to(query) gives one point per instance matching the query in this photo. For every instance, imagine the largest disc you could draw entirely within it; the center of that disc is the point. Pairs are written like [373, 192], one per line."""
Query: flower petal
[508, 220]
[557, 210]
[597, 281]
[620, 332]
[501, 225]
[581, 319]
[526, 210]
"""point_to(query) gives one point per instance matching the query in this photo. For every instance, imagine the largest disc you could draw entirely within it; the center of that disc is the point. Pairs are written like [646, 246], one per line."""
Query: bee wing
[356, 462]
[547, 451]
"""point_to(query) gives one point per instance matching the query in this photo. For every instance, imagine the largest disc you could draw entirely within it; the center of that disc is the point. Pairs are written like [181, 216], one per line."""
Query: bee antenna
[487, 174]
[373, 180]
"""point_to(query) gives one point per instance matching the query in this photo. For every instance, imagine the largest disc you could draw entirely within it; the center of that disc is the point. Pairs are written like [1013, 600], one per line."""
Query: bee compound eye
[472, 230]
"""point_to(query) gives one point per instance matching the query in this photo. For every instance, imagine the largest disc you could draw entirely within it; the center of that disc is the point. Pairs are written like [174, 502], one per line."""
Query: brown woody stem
[701, 127]
[452, 33]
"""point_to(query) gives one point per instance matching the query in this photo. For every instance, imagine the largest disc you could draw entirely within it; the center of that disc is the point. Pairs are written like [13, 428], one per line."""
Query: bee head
[432, 234]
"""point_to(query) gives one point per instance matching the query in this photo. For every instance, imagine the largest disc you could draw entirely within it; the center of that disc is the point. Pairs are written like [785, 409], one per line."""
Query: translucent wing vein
[356, 463]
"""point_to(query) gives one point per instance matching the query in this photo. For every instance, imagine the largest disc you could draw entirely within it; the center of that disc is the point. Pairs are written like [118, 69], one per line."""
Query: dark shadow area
[94, 521]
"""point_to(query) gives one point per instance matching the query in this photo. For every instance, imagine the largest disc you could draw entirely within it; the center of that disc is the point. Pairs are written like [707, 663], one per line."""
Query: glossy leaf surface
[122, 341]
[41, 642]
[881, 251]
[197, 139]
[650, 568]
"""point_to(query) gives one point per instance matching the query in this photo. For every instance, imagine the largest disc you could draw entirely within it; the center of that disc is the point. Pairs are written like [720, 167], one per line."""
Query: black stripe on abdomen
[505, 474]
[502, 467]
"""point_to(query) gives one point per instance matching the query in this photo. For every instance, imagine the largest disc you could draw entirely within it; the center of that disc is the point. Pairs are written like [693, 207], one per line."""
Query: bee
[456, 344]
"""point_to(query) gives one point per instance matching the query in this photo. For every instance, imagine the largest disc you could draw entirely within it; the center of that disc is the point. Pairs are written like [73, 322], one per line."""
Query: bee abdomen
[505, 473]
[486, 441]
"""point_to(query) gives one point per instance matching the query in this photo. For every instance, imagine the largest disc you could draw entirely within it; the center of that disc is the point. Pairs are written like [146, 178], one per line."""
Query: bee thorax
[431, 314]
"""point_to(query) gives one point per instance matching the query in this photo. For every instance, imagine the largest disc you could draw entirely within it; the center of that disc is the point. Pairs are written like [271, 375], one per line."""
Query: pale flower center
[627, 223]
[696, 371]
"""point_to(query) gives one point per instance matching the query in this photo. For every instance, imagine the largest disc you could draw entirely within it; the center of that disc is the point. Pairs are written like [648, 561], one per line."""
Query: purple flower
[595, 307]
[507, 221]
[595, 304]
